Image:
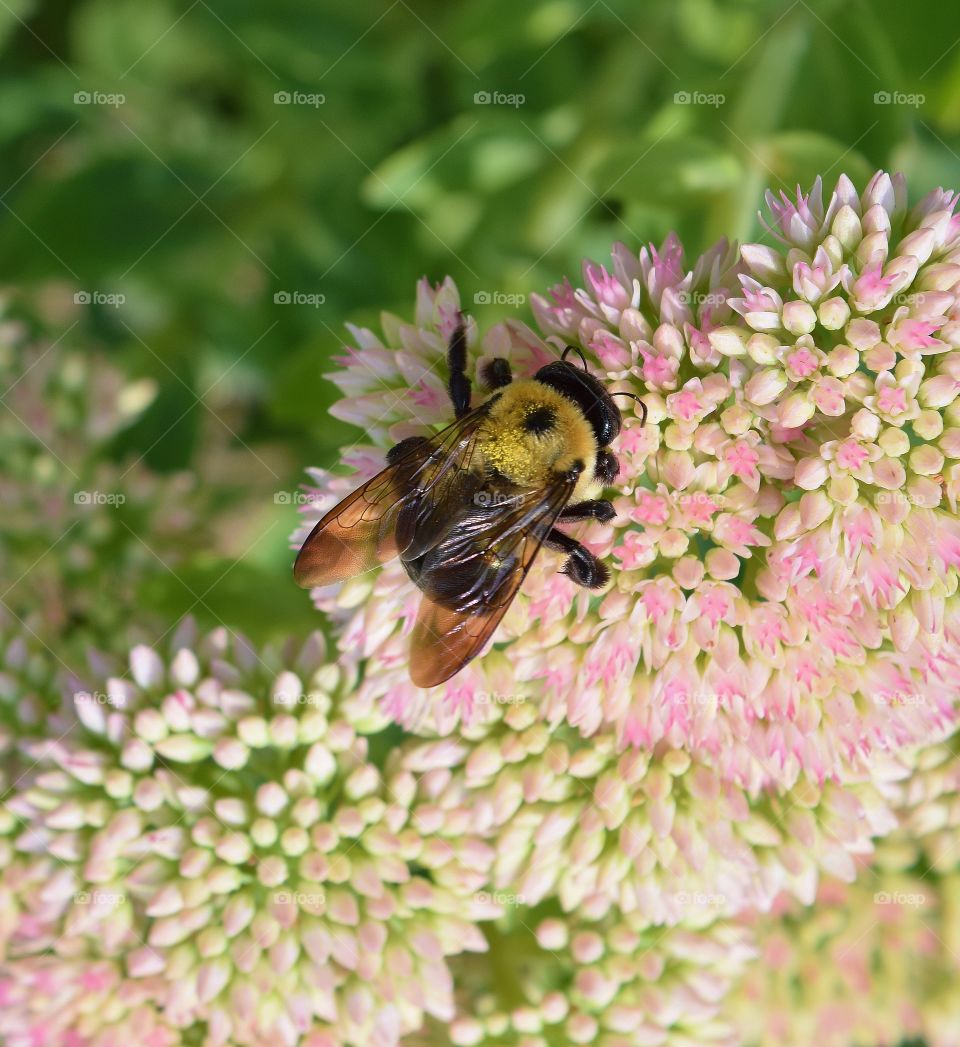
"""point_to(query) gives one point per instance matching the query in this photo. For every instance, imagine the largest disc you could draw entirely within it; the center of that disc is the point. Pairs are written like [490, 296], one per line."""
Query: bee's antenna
[574, 349]
[633, 396]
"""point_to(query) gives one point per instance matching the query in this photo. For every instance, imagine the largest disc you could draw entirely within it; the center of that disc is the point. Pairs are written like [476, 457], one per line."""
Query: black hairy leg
[592, 509]
[581, 566]
[459, 384]
[607, 466]
[496, 373]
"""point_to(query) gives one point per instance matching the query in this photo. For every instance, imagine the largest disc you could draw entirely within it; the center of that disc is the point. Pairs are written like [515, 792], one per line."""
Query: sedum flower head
[69, 1002]
[216, 826]
[72, 510]
[550, 982]
[659, 836]
[785, 554]
[870, 963]
[877, 959]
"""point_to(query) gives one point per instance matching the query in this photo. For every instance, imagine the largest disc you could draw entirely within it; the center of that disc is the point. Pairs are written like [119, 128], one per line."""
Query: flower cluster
[657, 835]
[215, 828]
[875, 960]
[549, 982]
[870, 963]
[716, 802]
[786, 547]
[71, 511]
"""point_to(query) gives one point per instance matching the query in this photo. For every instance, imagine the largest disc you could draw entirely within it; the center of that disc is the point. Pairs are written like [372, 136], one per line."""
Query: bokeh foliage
[199, 197]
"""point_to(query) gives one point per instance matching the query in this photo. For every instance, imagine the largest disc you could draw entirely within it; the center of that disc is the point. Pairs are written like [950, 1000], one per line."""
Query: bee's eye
[540, 420]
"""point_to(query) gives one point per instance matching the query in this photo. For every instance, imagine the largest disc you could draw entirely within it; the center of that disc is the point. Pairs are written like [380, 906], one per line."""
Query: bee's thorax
[532, 432]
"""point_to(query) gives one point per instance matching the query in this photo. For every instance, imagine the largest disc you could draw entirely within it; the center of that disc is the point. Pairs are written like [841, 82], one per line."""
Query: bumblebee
[468, 509]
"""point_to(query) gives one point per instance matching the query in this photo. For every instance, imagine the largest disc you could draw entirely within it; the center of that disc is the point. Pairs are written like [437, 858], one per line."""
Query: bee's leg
[457, 362]
[404, 447]
[581, 565]
[496, 373]
[592, 509]
[607, 466]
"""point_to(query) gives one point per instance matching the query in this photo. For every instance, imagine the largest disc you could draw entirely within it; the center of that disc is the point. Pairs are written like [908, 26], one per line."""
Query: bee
[468, 509]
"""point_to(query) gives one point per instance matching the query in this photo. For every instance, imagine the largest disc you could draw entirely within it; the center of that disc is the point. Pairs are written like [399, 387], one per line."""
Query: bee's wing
[479, 569]
[360, 532]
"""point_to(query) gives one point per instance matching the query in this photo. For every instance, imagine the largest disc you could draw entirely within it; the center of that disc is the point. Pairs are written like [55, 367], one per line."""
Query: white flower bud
[799, 317]
[765, 386]
[833, 313]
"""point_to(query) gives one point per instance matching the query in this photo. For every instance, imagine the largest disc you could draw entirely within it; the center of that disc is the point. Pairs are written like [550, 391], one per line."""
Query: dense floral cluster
[716, 803]
[610, 982]
[785, 554]
[214, 828]
[74, 507]
[875, 960]
[659, 836]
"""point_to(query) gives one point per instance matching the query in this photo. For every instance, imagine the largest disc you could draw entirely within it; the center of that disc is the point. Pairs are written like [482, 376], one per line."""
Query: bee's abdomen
[459, 572]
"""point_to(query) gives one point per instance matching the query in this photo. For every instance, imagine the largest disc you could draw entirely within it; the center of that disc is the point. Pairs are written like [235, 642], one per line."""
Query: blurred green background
[204, 161]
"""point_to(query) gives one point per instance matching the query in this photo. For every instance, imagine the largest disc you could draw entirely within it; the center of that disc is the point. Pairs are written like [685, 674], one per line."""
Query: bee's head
[578, 385]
